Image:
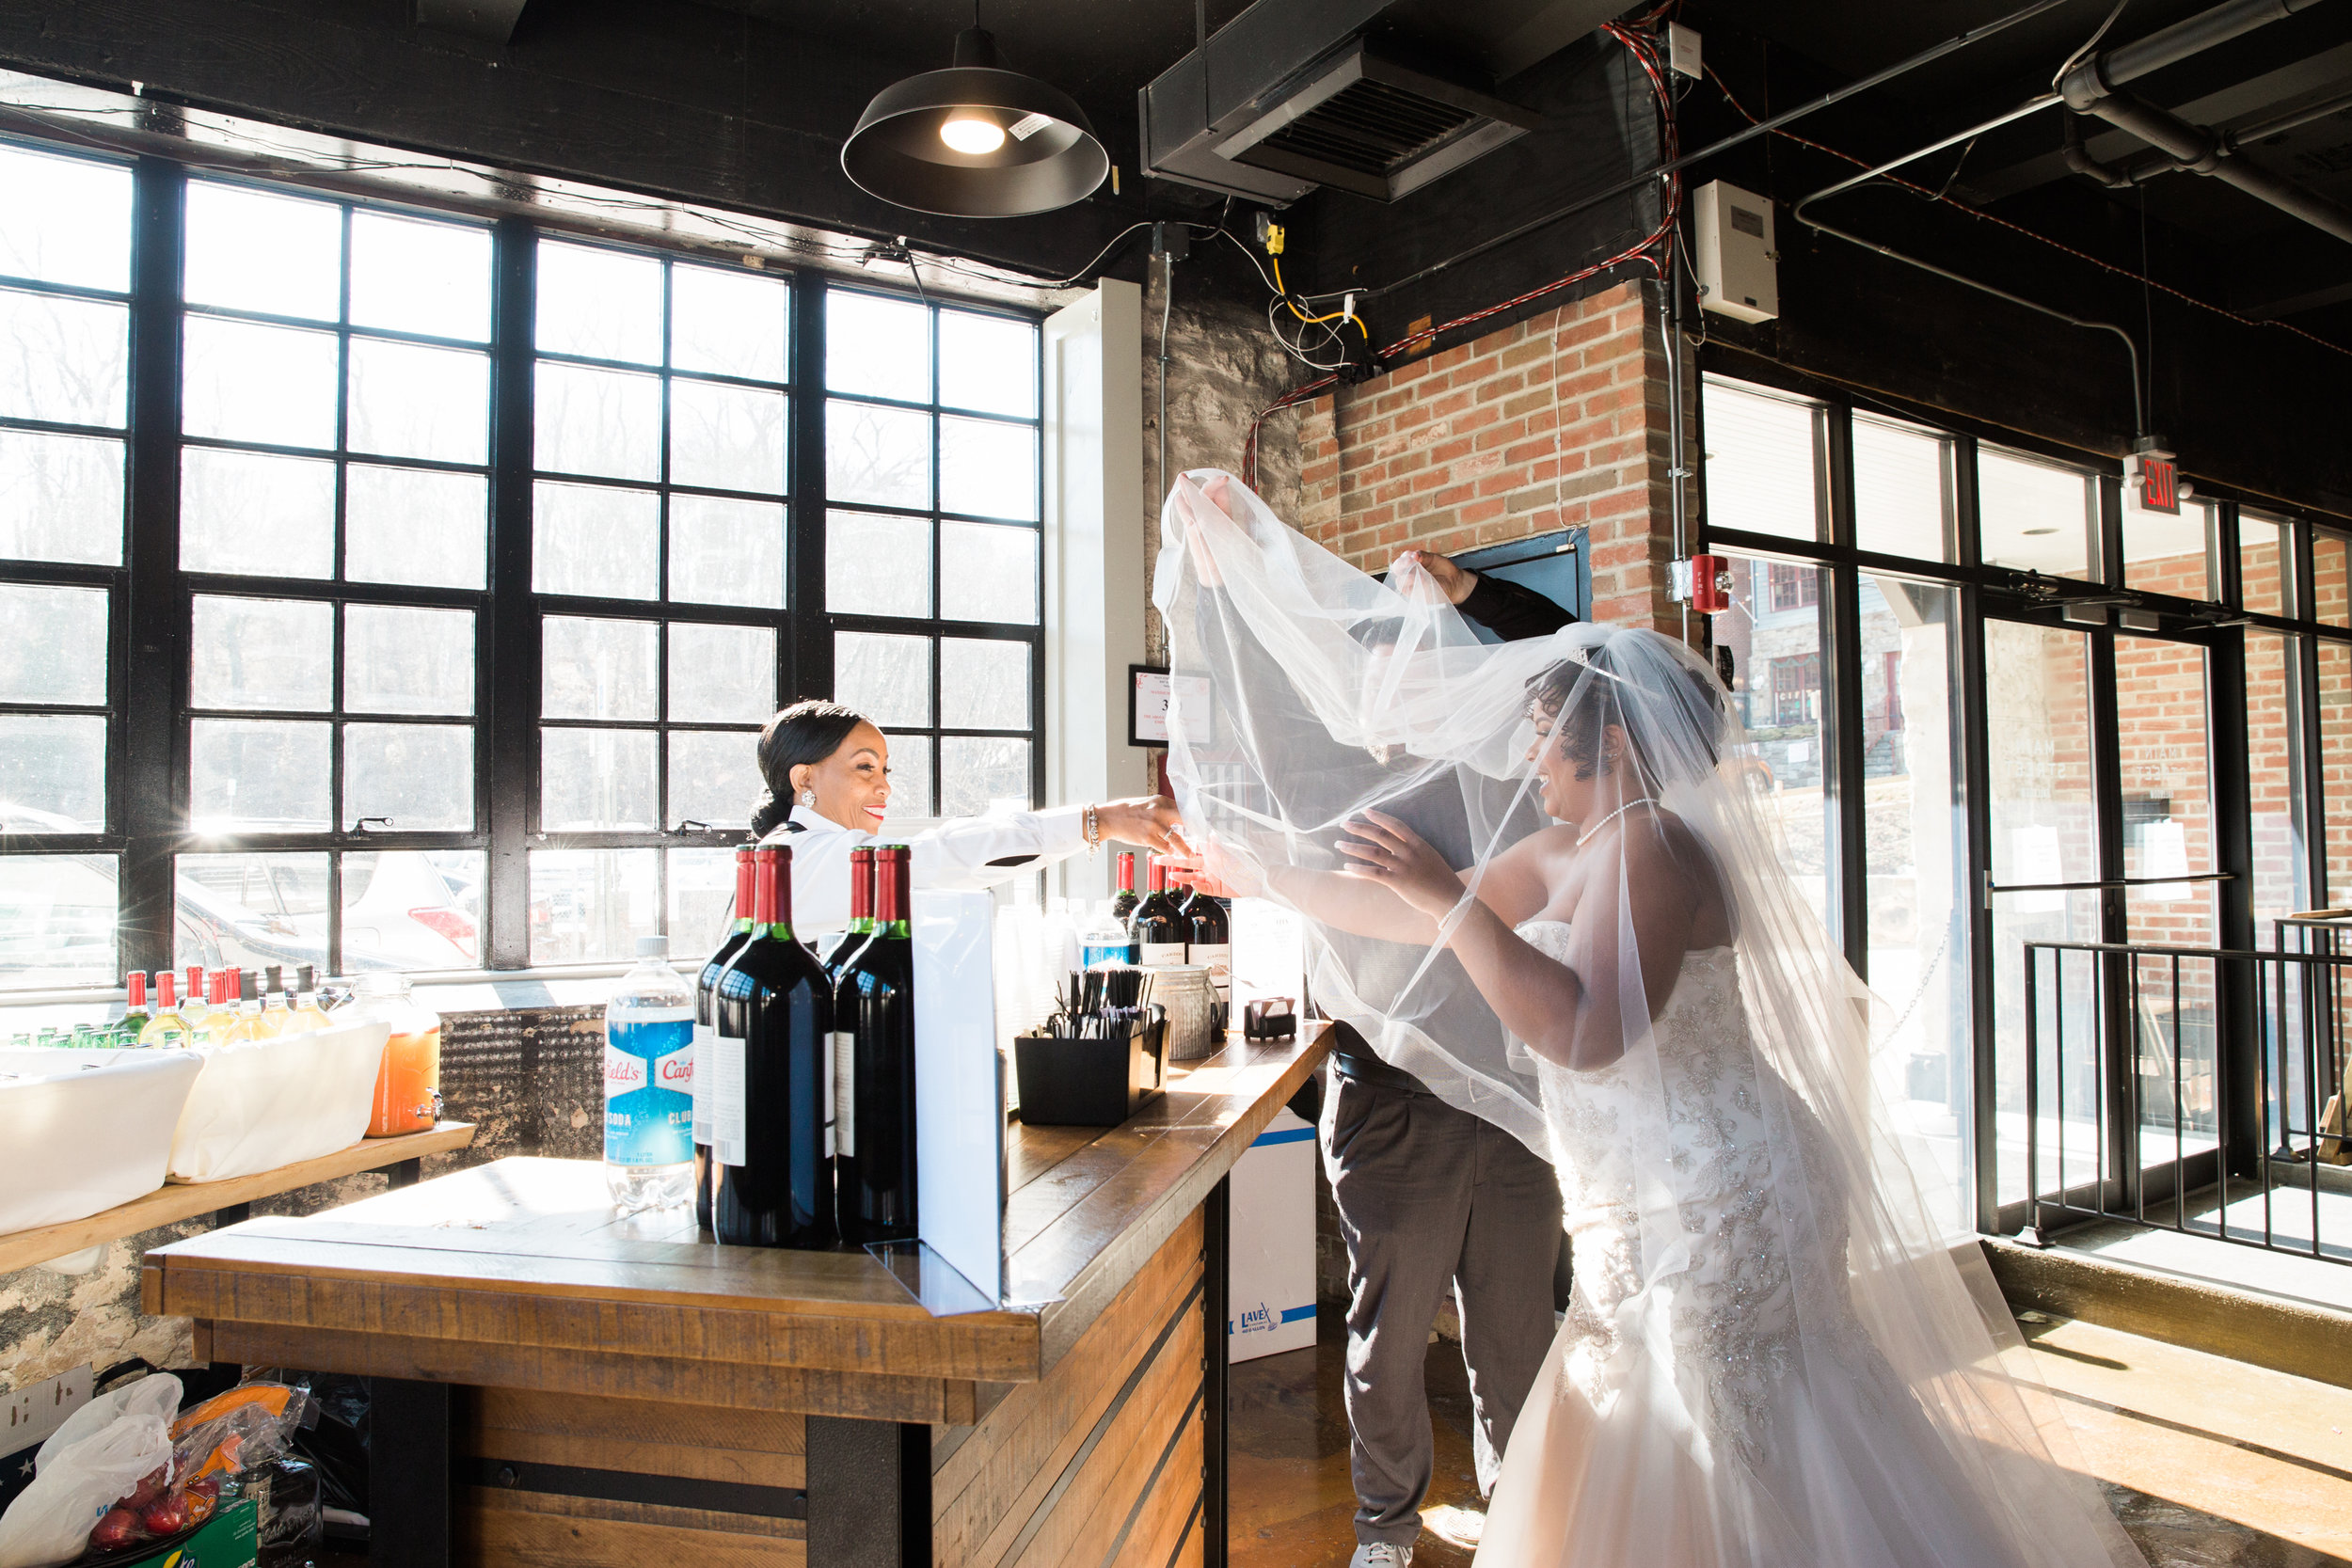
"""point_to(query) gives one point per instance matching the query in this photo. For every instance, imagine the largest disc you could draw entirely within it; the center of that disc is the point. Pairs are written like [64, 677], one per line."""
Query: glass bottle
[135, 1013]
[873, 1046]
[1157, 928]
[772, 1182]
[166, 1026]
[706, 1028]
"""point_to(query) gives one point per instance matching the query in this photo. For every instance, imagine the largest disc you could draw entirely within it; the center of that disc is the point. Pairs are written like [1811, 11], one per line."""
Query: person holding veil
[1773, 1357]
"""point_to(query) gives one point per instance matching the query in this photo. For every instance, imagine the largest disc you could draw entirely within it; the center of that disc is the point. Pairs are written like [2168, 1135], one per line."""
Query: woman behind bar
[826, 770]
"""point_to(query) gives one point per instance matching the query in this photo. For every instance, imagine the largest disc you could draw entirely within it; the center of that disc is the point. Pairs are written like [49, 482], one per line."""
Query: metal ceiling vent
[1371, 126]
[1291, 95]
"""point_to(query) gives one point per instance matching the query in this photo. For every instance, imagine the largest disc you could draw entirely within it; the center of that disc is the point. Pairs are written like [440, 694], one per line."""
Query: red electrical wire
[1644, 54]
[2019, 228]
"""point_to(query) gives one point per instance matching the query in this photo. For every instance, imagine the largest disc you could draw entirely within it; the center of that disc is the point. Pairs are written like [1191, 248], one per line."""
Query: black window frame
[147, 712]
[1985, 592]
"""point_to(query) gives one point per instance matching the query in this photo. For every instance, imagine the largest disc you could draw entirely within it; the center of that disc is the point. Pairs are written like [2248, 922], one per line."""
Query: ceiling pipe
[2102, 73]
[2095, 87]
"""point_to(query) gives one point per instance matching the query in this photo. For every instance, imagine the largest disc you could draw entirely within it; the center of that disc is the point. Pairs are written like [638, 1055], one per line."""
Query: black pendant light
[974, 141]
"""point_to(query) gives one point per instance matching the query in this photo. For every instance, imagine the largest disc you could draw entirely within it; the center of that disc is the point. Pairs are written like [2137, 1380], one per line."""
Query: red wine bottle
[874, 1066]
[1157, 928]
[1209, 942]
[706, 1028]
[1125, 904]
[853, 940]
[772, 1181]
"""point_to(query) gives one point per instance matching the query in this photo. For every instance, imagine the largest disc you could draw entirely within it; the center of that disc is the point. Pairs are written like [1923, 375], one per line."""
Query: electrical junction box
[1736, 259]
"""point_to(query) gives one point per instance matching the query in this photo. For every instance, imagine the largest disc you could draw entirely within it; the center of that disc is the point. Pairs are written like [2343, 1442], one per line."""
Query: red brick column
[1559, 421]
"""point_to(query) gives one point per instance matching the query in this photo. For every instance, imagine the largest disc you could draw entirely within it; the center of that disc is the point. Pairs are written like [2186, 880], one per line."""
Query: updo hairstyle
[807, 732]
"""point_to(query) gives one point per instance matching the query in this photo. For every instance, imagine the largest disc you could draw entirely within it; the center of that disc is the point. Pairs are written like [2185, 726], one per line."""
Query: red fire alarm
[1710, 584]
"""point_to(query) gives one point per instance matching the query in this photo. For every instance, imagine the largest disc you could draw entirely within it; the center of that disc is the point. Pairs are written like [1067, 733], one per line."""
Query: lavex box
[230, 1539]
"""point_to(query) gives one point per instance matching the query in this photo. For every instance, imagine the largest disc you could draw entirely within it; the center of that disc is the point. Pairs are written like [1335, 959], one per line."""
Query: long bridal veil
[1307, 693]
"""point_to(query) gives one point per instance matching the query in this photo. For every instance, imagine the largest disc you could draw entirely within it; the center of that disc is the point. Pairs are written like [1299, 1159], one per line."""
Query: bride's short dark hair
[1581, 695]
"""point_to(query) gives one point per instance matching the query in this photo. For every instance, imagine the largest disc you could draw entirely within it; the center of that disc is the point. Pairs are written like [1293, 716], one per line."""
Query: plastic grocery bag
[101, 1452]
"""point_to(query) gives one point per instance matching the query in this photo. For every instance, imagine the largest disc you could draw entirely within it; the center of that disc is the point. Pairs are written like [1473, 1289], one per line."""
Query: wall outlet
[28, 1416]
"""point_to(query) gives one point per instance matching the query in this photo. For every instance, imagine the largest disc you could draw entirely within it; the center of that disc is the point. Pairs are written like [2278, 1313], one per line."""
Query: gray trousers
[1432, 1198]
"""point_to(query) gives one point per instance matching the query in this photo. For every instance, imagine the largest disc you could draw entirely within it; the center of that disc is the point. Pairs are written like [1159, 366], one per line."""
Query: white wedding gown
[1720, 1406]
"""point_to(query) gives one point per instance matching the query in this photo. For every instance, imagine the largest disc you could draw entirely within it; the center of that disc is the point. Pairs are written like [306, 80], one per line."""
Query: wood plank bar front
[555, 1386]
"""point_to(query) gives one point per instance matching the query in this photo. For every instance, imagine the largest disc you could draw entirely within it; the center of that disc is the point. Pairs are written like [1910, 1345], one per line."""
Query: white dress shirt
[957, 855]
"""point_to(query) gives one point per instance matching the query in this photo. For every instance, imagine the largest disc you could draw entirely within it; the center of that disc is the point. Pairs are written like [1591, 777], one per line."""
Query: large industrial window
[333, 517]
[65, 282]
[931, 476]
[1946, 650]
[463, 561]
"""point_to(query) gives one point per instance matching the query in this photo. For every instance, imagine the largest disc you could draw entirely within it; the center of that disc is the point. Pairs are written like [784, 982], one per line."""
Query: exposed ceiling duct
[1376, 97]
[2097, 88]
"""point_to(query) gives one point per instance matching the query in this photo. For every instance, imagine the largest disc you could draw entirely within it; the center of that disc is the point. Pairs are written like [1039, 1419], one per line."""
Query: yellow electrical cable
[1285, 294]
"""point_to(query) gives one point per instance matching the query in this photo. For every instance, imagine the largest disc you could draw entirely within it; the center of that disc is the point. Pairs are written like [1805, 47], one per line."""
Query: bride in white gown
[1774, 1356]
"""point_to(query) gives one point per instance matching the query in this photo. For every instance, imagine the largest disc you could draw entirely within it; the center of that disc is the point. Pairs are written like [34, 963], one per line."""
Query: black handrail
[2305, 1021]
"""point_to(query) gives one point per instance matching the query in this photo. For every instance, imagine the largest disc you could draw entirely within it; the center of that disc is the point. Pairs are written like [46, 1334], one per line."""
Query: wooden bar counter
[557, 1386]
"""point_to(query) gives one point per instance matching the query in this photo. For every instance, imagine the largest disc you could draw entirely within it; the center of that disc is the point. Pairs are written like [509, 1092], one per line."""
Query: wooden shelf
[171, 1204]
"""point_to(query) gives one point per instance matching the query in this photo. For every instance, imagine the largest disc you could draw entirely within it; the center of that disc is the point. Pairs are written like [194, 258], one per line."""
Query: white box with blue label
[1272, 1298]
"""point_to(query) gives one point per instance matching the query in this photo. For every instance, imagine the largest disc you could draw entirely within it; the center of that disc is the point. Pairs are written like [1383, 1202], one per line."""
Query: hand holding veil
[1528, 881]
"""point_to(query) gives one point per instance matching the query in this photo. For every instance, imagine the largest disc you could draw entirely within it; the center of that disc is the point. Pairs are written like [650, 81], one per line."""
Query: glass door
[2043, 812]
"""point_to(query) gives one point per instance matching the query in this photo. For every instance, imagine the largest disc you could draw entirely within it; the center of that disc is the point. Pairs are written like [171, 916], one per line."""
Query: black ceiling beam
[491, 20]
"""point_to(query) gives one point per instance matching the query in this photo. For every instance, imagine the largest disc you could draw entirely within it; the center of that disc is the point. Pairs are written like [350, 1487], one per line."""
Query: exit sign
[2159, 484]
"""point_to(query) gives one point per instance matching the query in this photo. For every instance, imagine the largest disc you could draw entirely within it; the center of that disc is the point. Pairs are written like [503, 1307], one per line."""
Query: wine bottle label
[1217, 958]
[704, 1035]
[841, 1104]
[728, 1115]
[1150, 953]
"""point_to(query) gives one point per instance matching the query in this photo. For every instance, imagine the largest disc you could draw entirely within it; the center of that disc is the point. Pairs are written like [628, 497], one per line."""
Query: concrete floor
[2209, 1464]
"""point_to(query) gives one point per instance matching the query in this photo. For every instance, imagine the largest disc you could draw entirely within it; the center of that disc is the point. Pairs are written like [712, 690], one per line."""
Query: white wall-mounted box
[1736, 259]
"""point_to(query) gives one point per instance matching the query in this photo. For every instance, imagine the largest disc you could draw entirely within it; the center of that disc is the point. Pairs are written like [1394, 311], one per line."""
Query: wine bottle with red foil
[1209, 942]
[772, 1182]
[852, 941]
[1124, 905]
[874, 1065]
[1157, 928]
[706, 1028]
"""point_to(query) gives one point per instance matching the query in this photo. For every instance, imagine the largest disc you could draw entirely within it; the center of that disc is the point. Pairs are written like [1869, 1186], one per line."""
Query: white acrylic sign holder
[958, 1265]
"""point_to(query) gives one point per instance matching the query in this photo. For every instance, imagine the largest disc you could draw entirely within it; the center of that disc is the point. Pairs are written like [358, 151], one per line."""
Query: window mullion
[152, 762]
[507, 792]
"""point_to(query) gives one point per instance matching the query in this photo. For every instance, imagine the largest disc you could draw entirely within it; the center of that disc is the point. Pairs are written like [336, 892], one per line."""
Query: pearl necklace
[1645, 800]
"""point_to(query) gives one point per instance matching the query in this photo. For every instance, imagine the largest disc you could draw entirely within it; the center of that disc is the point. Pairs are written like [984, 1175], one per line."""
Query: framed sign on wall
[1155, 694]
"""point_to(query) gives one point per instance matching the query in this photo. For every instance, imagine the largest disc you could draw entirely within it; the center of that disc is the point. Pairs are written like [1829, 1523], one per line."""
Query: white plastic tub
[83, 1130]
[271, 1102]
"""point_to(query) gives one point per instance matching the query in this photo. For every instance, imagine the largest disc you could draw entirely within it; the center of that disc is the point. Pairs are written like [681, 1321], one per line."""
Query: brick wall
[1559, 421]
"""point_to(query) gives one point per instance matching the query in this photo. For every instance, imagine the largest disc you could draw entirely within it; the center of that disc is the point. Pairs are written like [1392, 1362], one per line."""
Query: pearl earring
[808, 797]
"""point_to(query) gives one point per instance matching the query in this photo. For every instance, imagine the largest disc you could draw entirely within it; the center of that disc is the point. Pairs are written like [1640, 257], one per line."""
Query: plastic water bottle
[648, 1084]
[1104, 940]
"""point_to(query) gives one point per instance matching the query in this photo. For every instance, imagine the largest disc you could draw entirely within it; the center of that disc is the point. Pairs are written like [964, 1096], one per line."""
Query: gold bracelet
[1092, 829]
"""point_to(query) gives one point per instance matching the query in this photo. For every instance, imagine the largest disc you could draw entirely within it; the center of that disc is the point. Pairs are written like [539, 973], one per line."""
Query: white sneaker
[1382, 1554]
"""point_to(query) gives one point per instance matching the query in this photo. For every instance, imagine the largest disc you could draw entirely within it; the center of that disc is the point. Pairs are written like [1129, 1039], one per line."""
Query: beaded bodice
[1676, 1130]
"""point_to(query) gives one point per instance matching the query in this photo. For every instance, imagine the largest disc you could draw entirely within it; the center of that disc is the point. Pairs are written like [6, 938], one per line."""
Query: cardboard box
[230, 1539]
[1271, 1287]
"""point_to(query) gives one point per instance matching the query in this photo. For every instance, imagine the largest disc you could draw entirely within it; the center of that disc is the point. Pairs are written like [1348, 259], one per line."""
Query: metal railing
[2175, 1086]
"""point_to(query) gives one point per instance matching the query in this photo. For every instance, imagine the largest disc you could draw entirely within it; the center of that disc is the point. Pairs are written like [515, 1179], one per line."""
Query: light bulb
[966, 132]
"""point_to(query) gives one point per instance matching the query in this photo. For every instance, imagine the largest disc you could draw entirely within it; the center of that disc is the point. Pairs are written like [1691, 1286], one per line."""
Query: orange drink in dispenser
[408, 1085]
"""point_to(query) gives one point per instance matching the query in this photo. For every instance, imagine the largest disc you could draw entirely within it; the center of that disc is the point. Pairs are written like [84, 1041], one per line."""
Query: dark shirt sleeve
[1512, 612]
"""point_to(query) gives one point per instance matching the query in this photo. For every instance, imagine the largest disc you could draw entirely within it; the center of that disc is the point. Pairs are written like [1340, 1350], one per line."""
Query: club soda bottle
[648, 1084]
